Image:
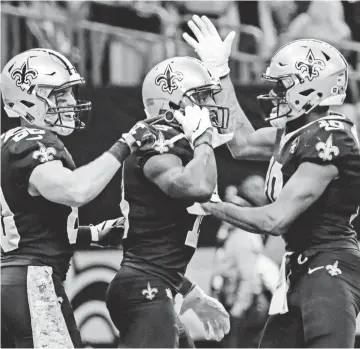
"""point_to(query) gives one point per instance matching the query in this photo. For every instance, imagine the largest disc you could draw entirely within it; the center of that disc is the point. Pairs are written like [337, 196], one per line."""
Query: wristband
[120, 151]
[84, 236]
[94, 233]
[186, 287]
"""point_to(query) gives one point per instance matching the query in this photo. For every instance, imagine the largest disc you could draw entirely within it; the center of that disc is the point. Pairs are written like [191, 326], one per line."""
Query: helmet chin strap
[279, 123]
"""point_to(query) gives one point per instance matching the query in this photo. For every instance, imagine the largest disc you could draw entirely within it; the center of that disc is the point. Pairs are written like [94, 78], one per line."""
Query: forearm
[202, 170]
[238, 122]
[89, 180]
[198, 178]
[254, 220]
[246, 143]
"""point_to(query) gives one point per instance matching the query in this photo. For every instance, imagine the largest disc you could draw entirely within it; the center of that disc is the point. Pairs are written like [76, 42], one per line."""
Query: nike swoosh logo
[312, 270]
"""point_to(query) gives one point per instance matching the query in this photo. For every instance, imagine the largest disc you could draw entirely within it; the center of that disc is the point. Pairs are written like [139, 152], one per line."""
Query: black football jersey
[34, 230]
[160, 236]
[328, 222]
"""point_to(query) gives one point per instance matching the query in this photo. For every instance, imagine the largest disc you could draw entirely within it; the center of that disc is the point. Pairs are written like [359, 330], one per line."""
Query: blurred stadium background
[113, 44]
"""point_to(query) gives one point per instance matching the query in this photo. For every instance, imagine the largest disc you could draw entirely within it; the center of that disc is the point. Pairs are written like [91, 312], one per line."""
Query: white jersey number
[9, 234]
[274, 180]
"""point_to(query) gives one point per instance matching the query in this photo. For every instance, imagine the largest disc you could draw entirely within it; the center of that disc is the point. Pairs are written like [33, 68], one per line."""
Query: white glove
[105, 227]
[211, 49]
[209, 311]
[195, 122]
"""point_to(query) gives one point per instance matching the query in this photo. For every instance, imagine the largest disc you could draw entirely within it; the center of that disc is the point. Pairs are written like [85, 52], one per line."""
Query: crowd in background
[262, 27]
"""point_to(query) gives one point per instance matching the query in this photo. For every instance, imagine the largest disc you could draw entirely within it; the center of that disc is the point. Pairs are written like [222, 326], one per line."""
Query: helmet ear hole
[169, 116]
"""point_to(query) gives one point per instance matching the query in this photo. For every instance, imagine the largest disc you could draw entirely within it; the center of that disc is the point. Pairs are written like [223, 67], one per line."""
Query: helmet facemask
[219, 115]
[64, 119]
[279, 109]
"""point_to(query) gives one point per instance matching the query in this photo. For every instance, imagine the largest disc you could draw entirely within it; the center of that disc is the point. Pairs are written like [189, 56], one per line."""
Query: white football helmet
[180, 81]
[307, 73]
[30, 85]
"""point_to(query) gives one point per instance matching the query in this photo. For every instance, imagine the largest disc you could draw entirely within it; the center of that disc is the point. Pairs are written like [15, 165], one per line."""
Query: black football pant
[323, 301]
[142, 308]
[35, 311]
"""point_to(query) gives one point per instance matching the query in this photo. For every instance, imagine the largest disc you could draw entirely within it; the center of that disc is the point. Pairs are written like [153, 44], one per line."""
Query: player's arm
[247, 144]
[196, 181]
[214, 52]
[300, 192]
[87, 234]
[75, 188]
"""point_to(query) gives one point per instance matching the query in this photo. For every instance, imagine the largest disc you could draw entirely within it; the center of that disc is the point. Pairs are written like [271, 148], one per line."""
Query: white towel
[278, 303]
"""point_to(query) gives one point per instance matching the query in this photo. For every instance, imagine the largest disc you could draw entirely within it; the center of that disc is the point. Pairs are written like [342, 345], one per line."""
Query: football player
[41, 190]
[159, 189]
[312, 186]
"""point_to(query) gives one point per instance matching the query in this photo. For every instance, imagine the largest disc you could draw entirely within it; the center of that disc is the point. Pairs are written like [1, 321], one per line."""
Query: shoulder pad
[328, 140]
[171, 141]
[22, 140]
[27, 148]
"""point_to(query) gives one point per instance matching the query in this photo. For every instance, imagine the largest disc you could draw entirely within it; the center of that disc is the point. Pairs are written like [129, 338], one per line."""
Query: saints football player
[312, 186]
[159, 189]
[41, 190]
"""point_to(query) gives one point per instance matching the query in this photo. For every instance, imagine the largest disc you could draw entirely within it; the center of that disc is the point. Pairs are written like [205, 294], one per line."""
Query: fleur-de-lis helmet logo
[311, 66]
[44, 154]
[24, 75]
[168, 79]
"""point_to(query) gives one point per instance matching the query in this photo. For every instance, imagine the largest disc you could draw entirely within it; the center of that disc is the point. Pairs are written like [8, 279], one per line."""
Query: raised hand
[212, 50]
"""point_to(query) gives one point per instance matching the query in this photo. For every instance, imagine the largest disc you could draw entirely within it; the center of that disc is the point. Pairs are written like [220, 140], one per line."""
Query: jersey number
[9, 234]
[19, 134]
[192, 236]
[274, 180]
[331, 125]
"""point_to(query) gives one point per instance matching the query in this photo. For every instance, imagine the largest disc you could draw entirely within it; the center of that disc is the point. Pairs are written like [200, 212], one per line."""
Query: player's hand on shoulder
[209, 311]
[212, 50]
[141, 135]
[195, 122]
